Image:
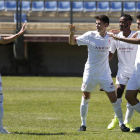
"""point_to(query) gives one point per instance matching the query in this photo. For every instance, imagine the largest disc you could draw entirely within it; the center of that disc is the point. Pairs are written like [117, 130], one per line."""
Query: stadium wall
[47, 59]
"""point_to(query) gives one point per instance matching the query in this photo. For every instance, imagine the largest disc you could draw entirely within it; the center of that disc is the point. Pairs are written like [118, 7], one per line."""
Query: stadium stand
[25, 5]
[23, 17]
[89, 6]
[129, 7]
[138, 7]
[37, 6]
[78, 6]
[103, 7]
[116, 7]
[2, 6]
[51, 6]
[64, 6]
[10, 5]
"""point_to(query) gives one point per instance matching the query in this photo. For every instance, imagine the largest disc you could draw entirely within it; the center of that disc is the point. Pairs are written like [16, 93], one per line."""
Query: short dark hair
[129, 17]
[138, 16]
[103, 18]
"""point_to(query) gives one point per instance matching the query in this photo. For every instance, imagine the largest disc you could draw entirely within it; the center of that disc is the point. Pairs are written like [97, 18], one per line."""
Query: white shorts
[134, 82]
[90, 83]
[0, 84]
[121, 79]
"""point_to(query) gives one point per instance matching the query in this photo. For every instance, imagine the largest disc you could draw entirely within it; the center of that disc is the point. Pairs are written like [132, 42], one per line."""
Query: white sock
[84, 110]
[137, 107]
[120, 101]
[1, 111]
[129, 113]
[118, 111]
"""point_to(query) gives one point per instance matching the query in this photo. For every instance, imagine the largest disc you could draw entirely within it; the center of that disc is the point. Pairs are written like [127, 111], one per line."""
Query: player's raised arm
[5, 40]
[72, 41]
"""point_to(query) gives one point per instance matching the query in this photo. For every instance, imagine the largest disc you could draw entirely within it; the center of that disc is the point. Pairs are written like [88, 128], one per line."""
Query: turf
[47, 108]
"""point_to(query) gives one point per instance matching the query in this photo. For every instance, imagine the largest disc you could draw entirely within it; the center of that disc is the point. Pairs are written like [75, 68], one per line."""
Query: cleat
[124, 128]
[113, 124]
[4, 131]
[136, 130]
[82, 128]
[129, 126]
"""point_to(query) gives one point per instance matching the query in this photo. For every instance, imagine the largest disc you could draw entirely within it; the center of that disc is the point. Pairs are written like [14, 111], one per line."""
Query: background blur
[43, 49]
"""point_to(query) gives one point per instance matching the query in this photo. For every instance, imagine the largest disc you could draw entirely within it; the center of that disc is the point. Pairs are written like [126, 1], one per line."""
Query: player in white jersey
[97, 70]
[5, 40]
[134, 82]
[126, 59]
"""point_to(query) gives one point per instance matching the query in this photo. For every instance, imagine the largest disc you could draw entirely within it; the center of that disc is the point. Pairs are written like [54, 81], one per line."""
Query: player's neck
[126, 33]
[102, 33]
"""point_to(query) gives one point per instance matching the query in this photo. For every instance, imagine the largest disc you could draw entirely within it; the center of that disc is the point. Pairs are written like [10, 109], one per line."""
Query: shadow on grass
[29, 133]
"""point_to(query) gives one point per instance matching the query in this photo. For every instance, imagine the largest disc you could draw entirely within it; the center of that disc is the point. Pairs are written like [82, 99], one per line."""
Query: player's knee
[128, 97]
[119, 93]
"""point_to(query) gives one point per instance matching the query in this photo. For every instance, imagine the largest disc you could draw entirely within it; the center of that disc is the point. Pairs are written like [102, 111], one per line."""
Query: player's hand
[72, 28]
[110, 34]
[22, 29]
[134, 35]
[114, 31]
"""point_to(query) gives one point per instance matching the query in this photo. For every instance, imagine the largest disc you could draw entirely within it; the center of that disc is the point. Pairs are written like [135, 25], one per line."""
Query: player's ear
[106, 25]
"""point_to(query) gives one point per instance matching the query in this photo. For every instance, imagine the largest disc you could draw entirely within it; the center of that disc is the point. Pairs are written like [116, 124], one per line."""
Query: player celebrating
[126, 57]
[97, 70]
[134, 82]
[5, 40]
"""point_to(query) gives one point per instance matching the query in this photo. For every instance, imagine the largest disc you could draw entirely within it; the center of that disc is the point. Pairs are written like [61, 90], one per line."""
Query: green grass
[47, 108]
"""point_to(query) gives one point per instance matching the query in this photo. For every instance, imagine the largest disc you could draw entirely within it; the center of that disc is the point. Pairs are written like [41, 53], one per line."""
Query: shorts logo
[112, 85]
[0, 84]
[83, 86]
[118, 78]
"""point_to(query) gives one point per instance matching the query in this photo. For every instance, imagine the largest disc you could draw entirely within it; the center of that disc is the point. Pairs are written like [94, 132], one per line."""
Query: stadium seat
[25, 5]
[103, 6]
[2, 7]
[51, 6]
[116, 7]
[63, 6]
[38, 6]
[78, 6]
[23, 16]
[10, 5]
[129, 7]
[138, 7]
[89, 6]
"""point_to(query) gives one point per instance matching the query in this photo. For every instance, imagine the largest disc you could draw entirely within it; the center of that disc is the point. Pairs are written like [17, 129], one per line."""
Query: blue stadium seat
[2, 6]
[51, 6]
[89, 6]
[103, 6]
[116, 7]
[129, 7]
[23, 16]
[38, 6]
[64, 6]
[138, 7]
[78, 6]
[25, 5]
[10, 5]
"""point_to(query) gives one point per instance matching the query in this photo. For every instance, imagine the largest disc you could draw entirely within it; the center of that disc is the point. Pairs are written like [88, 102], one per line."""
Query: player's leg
[117, 110]
[84, 110]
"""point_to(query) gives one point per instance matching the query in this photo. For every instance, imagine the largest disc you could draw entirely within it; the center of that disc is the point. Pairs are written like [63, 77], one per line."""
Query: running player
[134, 82]
[97, 70]
[5, 40]
[126, 57]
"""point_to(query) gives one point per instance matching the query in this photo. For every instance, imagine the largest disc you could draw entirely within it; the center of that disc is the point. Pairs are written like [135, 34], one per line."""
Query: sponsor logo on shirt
[126, 49]
[102, 49]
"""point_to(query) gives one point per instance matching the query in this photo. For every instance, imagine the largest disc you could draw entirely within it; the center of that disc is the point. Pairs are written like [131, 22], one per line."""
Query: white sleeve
[113, 47]
[83, 39]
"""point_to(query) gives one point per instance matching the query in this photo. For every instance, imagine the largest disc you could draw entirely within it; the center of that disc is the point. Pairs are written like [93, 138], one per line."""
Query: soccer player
[97, 70]
[126, 60]
[5, 40]
[134, 82]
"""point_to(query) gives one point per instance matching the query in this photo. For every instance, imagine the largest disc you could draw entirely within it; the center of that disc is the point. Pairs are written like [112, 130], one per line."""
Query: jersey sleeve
[113, 46]
[83, 39]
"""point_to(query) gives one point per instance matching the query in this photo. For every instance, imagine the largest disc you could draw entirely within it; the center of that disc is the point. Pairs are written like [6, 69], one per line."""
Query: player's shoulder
[119, 34]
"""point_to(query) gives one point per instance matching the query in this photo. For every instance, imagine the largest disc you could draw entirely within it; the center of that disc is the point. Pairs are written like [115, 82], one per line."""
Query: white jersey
[98, 52]
[126, 55]
[137, 61]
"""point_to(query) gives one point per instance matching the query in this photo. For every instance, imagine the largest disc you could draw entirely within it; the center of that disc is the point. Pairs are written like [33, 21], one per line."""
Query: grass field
[47, 108]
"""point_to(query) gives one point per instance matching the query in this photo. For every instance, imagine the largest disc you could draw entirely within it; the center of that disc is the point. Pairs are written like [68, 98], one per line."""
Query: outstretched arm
[5, 40]
[128, 40]
[72, 41]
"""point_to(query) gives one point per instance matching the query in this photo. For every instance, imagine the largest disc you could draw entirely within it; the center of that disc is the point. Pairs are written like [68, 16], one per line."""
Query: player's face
[124, 24]
[101, 26]
[138, 24]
